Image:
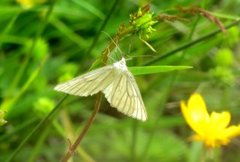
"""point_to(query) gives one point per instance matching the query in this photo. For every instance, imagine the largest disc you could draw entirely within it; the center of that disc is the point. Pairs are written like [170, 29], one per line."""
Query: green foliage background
[50, 43]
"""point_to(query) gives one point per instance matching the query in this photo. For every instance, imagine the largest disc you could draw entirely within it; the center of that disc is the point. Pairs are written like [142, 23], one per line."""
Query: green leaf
[89, 7]
[142, 70]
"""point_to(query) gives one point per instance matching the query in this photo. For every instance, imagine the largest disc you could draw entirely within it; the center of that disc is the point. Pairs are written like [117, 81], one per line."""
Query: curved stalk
[72, 148]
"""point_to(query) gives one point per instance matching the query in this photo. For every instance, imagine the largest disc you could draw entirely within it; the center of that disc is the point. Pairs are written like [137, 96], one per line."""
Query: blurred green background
[44, 43]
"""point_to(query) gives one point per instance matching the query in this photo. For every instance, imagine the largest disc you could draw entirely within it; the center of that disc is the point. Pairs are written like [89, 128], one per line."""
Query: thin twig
[57, 106]
[73, 147]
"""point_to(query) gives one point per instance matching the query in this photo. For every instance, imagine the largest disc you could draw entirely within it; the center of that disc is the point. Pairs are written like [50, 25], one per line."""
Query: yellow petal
[197, 108]
[195, 113]
[231, 131]
[185, 112]
[220, 120]
[212, 129]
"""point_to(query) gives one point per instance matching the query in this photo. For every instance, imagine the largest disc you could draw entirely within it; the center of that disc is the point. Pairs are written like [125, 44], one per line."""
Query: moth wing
[123, 94]
[89, 83]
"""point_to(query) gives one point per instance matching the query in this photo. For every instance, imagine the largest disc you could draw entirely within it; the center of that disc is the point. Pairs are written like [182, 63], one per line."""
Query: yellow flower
[27, 4]
[212, 129]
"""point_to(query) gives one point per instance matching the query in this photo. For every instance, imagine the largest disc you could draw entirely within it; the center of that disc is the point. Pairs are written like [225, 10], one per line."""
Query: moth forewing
[87, 84]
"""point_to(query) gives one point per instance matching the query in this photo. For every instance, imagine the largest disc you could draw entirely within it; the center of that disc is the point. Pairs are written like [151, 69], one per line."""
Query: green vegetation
[174, 48]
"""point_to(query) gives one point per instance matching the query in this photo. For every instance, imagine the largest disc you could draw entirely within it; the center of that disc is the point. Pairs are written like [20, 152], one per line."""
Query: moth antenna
[128, 58]
[116, 45]
[109, 56]
[129, 48]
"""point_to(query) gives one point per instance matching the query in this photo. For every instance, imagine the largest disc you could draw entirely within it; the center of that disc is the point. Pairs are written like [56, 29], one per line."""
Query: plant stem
[44, 121]
[51, 114]
[7, 29]
[88, 53]
[8, 104]
[73, 147]
[184, 46]
[134, 141]
[67, 125]
[166, 93]
[104, 56]
[21, 127]
[37, 149]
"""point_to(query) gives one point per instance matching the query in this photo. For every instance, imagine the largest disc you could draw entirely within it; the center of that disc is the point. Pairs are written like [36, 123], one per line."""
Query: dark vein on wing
[76, 86]
[141, 103]
[121, 92]
[126, 93]
[120, 78]
[89, 84]
[78, 82]
[132, 97]
[101, 82]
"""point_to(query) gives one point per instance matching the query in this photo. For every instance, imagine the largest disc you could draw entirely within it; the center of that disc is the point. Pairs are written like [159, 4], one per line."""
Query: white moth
[117, 84]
